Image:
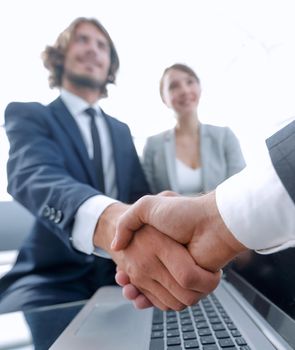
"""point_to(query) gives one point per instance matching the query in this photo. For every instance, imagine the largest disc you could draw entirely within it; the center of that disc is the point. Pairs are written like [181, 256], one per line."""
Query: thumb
[127, 225]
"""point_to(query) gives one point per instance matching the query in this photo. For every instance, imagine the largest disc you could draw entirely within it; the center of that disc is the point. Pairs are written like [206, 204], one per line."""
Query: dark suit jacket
[282, 152]
[50, 173]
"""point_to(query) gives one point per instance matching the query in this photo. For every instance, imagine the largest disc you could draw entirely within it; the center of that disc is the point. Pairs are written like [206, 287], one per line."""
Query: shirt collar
[75, 104]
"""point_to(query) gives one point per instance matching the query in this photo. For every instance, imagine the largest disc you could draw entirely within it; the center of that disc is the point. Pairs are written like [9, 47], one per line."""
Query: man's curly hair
[53, 56]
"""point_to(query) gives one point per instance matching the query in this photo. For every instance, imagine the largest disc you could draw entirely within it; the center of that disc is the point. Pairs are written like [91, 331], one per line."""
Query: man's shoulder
[24, 107]
[25, 111]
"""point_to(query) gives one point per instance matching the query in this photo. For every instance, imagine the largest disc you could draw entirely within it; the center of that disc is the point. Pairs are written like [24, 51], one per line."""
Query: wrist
[216, 245]
[106, 225]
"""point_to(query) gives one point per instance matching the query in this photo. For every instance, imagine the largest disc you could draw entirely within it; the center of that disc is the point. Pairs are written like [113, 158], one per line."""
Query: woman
[192, 158]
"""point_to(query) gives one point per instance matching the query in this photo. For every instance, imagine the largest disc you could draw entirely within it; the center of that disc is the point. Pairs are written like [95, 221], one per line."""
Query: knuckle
[179, 306]
[192, 299]
[185, 280]
[162, 306]
[144, 200]
[211, 285]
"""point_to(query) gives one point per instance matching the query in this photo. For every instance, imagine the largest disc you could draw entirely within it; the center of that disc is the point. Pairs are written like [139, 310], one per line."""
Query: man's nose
[184, 89]
[92, 47]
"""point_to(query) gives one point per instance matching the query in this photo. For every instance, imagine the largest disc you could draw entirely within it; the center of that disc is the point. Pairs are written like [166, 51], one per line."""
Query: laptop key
[204, 331]
[226, 343]
[173, 341]
[171, 326]
[241, 341]
[231, 326]
[157, 327]
[188, 328]
[186, 321]
[235, 333]
[207, 340]
[189, 335]
[210, 347]
[218, 327]
[214, 320]
[247, 347]
[157, 335]
[222, 334]
[199, 319]
[157, 316]
[173, 333]
[191, 344]
[202, 325]
[157, 344]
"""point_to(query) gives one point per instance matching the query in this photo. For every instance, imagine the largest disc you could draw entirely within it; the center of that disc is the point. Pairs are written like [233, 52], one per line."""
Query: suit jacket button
[52, 214]
[58, 217]
[46, 211]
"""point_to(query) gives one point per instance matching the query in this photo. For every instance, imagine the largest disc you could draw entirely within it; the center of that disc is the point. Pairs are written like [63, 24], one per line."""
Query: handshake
[169, 249]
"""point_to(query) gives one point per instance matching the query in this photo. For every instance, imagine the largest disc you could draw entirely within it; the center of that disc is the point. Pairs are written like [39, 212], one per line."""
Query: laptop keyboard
[204, 326]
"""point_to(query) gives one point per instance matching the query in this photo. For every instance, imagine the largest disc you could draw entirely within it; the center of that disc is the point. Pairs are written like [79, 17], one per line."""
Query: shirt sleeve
[257, 209]
[85, 222]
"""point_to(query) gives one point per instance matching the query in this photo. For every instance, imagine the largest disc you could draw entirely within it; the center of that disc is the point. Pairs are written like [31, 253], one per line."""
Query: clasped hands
[169, 250]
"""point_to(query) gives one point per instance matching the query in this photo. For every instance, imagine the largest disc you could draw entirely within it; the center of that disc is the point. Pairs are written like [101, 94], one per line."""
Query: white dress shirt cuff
[257, 209]
[85, 222]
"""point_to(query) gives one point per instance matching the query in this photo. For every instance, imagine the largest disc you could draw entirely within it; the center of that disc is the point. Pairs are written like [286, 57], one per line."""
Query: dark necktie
[97, 156]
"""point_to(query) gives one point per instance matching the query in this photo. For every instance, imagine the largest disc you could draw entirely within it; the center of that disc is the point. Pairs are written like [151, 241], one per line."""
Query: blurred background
[243, 52]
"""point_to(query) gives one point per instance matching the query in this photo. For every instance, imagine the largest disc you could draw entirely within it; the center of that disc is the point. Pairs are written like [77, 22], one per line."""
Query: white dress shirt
[257, 209]
[89, 212]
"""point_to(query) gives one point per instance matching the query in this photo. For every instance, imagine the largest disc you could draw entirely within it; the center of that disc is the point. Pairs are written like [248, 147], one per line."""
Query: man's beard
[85, 81]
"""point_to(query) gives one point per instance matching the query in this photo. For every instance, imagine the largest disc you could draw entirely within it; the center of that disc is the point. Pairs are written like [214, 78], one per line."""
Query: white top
[89, 212]
[257, 209]
[189, 180]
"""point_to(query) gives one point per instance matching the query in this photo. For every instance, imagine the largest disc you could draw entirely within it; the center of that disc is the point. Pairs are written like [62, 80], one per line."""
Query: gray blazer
[221, 157]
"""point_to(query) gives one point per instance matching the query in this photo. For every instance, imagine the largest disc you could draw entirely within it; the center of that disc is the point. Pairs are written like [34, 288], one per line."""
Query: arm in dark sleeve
[38, 171]
[281, 147]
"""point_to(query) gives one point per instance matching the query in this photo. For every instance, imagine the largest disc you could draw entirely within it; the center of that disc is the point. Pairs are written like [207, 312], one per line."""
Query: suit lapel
[170, 157]
[67, 122]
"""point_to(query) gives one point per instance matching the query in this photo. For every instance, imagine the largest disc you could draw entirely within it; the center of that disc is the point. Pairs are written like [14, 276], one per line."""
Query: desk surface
[38, 328]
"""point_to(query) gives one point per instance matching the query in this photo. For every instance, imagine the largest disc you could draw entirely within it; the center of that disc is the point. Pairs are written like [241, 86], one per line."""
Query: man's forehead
[87, 28]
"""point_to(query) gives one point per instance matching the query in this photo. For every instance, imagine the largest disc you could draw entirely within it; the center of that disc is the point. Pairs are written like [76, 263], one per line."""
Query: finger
[146, 297]
[168, 194]
[158, 294]
[122, 278]
[142, 302]
[185, 296]
[130, 292]
[185, 271]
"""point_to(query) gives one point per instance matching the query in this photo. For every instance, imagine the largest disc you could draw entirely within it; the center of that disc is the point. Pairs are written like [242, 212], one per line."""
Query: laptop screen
[272, 275]
[268, 283]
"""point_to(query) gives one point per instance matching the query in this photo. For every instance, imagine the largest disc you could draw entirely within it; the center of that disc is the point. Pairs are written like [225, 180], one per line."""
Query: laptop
[253, 308]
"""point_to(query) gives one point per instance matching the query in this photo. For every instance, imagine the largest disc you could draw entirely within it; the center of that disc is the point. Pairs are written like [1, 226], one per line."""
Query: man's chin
[85, 81]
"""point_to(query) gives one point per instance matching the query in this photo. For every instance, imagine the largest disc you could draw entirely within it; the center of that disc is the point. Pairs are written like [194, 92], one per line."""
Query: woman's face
[180, 91]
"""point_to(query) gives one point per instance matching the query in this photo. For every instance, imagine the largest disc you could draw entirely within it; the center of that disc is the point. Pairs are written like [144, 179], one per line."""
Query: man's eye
[81, 39]
[103, 46]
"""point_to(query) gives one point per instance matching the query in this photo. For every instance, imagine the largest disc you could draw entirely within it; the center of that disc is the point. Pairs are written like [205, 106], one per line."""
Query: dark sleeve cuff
[281, 148]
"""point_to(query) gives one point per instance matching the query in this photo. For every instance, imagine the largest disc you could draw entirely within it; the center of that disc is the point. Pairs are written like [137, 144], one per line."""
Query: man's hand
[158, 266]
[194, 221]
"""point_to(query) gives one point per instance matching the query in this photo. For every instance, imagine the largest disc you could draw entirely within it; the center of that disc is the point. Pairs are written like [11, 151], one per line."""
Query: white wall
[243, 51]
